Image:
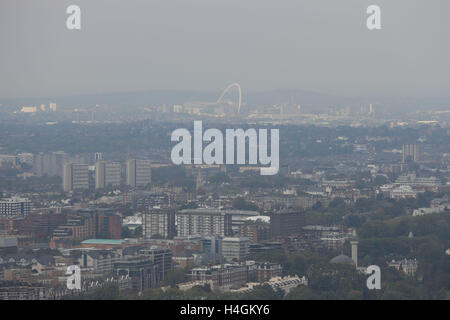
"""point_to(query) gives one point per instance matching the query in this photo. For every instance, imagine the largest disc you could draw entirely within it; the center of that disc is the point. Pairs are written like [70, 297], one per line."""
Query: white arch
[239, 92]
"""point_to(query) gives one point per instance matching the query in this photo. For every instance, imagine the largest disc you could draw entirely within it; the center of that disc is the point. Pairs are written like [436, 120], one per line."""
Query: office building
[108, 225]
[235, 248]
[161, 259]
[212, 247]
[101, 261]
[286, 222]
[140, 271]
[76, 228]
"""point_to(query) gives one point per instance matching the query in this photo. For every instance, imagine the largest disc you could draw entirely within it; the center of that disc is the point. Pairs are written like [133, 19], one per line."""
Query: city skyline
[230, 150]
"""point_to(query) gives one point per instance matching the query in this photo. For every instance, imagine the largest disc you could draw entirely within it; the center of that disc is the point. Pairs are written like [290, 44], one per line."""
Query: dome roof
[343, 259]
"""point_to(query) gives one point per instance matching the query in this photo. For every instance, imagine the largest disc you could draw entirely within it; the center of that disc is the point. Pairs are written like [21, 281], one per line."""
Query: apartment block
[139, 173]
[76, 177]
[107, 174]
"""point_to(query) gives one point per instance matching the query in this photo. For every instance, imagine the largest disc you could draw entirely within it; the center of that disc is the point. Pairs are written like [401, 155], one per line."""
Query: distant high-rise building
[58, 160]
[410, 152]
[46, 164]
[52, 106]
[139, 173]
[370, 109]
[107, 174]
[158, 222]
[76, 177]
[41, 164]
[49, 164]
[98, 156]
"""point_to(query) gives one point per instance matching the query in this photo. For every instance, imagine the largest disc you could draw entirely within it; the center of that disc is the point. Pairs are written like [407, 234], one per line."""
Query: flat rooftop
[103, 241]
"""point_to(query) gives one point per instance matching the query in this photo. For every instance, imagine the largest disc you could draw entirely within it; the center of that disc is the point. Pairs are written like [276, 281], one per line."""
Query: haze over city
[202, 45]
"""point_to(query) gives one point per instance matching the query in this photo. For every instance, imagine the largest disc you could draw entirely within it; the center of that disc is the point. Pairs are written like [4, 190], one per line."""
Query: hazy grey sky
[318, 45]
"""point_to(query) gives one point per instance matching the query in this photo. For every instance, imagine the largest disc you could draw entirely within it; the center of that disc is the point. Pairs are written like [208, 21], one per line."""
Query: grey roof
[99, 254]
[46, 260]
[342, 259]
[17, 257]
[132, 250]
[184, 254]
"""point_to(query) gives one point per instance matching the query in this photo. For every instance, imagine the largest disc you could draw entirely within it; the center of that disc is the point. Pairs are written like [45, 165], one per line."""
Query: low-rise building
[222, 277]
[407, 266]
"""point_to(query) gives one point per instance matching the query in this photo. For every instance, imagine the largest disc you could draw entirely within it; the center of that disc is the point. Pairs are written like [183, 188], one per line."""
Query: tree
[239, 203]
[110, 291]
[189, 205]
[355, 295]
[354, 220]
[380, 180]
[336, 202]
[263, 292]
[175, 276]
[302, 293]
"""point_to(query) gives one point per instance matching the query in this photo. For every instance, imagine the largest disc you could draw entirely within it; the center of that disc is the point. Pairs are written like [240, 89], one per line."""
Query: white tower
[355, 252]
